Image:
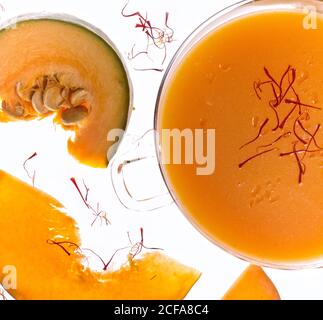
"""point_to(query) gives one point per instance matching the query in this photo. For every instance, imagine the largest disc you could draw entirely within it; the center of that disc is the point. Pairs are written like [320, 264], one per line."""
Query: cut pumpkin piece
[253, 284]
[31, 225]
[53, 67]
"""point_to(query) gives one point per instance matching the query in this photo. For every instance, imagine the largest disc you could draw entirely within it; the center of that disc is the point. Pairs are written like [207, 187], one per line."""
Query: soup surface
[258, 81]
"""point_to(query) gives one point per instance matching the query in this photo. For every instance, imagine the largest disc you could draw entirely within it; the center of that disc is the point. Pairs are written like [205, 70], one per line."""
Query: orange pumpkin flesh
[29, 218]
[36, 49]
[253, 284]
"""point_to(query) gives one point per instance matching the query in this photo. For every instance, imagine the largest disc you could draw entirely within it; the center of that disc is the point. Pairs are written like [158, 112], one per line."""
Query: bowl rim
[213, 21]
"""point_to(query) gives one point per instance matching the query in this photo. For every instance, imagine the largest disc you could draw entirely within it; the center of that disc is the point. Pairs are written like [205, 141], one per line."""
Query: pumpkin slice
[30, 223]
[51, 67]
[253, 284]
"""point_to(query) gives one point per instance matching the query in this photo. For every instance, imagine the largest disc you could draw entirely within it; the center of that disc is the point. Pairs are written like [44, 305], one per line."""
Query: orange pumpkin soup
[258, 81]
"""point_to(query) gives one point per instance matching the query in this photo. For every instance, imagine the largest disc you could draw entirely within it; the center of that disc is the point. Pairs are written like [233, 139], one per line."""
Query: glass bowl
[233, 12]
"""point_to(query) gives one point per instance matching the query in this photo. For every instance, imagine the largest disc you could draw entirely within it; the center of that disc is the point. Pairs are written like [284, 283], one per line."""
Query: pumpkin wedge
[31, 222]
[253, 284]
[56, 68]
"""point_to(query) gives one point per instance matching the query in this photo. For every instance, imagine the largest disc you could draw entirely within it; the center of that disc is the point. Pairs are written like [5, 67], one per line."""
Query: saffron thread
[242, 164]
[135, 249]
[30, 176]
[258, 135]
[283, 96]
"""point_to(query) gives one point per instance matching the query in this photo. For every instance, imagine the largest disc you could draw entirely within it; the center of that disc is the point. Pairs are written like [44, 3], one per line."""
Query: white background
[166, 228]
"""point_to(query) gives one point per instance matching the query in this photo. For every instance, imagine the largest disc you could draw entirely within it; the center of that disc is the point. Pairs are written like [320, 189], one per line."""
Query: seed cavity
[50, 93]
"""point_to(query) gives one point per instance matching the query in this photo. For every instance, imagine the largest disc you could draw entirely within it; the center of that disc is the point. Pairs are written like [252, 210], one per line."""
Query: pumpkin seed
[38, 103]
[65, 92]
[74, 115]
[17, 111]
[78, 97]
[52, 98]
[23, 93]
